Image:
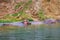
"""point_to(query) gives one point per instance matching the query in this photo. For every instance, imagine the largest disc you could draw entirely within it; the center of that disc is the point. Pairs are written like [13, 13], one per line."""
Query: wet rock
[36, 22]
[7, 25]
[58, 21]
[17, 24]
[49, 21]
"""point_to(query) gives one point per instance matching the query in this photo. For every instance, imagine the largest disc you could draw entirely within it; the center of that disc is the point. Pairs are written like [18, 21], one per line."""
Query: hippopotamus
[25, 22]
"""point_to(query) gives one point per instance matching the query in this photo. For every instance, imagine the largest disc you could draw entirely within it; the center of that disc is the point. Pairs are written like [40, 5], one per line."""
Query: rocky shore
[48, 21]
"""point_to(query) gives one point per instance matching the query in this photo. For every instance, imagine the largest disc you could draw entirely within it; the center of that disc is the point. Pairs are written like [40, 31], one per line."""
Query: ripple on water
[39, 33]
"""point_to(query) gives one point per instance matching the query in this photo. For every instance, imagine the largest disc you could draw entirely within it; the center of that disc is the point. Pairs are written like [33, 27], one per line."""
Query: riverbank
[47, 21]
[21, 24]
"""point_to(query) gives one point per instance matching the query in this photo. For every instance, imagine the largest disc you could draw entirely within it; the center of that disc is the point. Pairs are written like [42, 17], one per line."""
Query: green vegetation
[18, 5]
[27, 4]
[30, 19]
[41, 15]
[15, 14]
[8, 21]
[21, 15]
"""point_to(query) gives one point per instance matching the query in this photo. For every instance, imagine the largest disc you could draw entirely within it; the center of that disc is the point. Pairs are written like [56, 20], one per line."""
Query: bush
[30, 19]
[41, 15]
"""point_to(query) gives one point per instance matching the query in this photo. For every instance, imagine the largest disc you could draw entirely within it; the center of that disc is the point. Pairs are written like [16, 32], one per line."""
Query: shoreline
[19, 23]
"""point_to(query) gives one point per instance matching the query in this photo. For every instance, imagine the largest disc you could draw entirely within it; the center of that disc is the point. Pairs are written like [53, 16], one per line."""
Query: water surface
[31, 32]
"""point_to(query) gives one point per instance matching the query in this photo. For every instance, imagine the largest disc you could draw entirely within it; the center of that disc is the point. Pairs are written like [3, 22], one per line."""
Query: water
[32, 32]
[21, 24]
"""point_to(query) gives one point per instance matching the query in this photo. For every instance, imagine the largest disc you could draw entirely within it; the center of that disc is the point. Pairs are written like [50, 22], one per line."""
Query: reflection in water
[32, 32]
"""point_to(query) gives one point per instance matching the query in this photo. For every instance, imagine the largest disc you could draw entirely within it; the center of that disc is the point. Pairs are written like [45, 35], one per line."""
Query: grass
[21, 15]
[18, 5]
[16, 17]
[3, 21]
[41, 15]
[27, 4]
[9, 21]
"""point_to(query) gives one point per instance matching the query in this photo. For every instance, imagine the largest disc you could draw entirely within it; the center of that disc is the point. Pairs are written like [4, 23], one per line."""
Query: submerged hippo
[25, 22]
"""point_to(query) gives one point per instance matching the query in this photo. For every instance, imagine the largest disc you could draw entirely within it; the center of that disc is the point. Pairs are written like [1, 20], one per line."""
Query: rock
[49, 21]
[36, 22]
[7, 25]
[58, 21]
